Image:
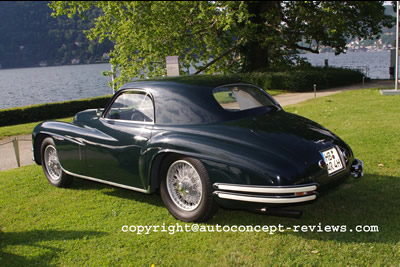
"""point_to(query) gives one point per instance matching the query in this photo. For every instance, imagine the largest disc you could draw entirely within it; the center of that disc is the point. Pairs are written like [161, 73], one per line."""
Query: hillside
[386, 40]
[31, 37]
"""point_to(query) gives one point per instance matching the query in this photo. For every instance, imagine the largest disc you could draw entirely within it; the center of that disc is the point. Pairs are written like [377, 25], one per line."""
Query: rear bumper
[267, 194]
[357, 168]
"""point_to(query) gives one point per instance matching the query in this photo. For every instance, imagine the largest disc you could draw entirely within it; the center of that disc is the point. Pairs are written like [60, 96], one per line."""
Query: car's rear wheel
[186, 189]
[51, 165]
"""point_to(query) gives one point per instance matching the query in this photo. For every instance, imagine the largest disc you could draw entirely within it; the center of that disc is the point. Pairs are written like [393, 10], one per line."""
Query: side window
[132, 106]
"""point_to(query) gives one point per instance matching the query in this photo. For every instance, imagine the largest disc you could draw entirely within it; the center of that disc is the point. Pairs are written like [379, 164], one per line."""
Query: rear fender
[222, 162]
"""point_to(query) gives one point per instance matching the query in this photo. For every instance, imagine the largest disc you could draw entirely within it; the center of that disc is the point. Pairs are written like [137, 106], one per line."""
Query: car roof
[185, 100]
[201, 80]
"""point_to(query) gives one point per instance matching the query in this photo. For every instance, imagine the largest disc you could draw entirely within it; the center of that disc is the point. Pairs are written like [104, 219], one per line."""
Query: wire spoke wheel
[186, 189]
[184, 185]
[52, 163]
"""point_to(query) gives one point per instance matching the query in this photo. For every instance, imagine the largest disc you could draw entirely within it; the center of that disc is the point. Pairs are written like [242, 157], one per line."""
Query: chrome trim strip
[107, 182]
[270, 200]
[140, 138]
[128, 121]
[266, 189]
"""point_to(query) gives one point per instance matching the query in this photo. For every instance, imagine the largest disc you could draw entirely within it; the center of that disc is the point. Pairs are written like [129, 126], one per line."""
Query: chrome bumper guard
[267, 194]
[357, 168]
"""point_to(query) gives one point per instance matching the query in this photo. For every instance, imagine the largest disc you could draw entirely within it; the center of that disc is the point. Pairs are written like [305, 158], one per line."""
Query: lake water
[28, 86]
[375, 63]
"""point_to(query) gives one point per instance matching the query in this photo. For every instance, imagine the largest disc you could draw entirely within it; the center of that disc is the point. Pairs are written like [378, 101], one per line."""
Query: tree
[223, 36]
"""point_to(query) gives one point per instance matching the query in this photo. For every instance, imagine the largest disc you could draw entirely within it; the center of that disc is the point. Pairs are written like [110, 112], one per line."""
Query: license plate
[333, 161]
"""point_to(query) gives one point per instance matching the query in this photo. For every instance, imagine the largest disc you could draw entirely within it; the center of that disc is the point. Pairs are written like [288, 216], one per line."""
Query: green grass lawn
[26, 128]
[44, 225]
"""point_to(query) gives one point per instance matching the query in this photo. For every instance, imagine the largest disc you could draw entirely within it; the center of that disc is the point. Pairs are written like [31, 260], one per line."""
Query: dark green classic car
[200, 146]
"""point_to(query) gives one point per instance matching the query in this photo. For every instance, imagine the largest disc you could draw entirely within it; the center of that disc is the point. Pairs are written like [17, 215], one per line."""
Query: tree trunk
[256, 51]
[256, 57]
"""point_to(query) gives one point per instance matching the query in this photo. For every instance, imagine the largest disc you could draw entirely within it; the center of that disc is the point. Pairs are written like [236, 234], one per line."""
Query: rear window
[238, 97]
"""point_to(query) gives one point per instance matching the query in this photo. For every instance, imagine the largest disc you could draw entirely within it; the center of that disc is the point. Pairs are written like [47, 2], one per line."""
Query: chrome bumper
[357, 168]
[267, 194]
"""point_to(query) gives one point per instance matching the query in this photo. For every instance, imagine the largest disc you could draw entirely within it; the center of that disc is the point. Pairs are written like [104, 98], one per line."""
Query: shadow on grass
[83, 184]
[33, 239]
[153, 199]
[372, 201]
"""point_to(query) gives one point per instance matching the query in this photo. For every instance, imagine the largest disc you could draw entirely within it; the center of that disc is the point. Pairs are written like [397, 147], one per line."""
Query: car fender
[223, 161]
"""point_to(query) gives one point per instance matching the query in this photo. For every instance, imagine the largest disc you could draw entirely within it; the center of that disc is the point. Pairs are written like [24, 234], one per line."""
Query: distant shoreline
[56, 65]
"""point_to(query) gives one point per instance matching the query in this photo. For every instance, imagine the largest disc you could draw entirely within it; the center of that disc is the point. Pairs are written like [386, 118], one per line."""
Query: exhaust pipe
[279, 212]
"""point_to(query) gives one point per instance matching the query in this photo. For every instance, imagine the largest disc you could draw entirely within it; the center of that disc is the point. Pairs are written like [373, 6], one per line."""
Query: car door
[127, 123]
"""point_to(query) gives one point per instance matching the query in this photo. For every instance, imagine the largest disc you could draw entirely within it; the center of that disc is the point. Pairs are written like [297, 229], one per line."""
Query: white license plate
[333, 161]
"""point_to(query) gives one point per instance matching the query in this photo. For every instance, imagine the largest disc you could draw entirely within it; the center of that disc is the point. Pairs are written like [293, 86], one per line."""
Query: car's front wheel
[186, 189]
[51, 165]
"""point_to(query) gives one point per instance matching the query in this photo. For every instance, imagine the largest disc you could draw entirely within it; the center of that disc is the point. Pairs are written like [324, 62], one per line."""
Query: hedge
[302, 80]
[49, 111]
[295, 79]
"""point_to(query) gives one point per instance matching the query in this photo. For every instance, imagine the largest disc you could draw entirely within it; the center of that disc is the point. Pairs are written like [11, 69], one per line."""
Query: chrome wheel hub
[52, 163]
[184, 185]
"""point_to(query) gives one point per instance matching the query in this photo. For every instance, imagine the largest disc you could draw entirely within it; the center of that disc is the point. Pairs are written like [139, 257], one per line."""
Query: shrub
[302, 80]
[49, 111]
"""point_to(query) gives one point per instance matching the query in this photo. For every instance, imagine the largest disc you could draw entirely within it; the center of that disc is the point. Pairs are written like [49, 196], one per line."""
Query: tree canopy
[223, 36]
